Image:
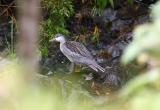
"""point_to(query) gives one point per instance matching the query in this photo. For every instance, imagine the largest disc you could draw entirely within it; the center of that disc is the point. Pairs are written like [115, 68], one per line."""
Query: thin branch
[5, 10]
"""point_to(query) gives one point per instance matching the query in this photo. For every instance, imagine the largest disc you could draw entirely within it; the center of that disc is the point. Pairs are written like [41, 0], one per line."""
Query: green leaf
[112, 3]
[101, 3]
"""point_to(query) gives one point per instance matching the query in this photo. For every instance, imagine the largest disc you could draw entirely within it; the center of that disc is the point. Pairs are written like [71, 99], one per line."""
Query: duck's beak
[52, 40]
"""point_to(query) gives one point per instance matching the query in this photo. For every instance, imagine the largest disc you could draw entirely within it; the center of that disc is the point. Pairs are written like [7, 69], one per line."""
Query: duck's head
[59, 38]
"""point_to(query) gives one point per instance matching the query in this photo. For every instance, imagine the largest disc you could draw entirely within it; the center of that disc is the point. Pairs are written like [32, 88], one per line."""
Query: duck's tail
[95, 66]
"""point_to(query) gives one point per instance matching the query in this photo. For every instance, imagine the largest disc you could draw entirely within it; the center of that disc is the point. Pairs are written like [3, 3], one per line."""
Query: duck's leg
[78, 68]
[71, 69]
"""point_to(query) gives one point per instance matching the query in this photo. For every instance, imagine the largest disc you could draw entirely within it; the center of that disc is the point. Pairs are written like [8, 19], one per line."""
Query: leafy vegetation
[99, 5]
[16, 94]
[102, 3]
[57, 11]
[95, 36]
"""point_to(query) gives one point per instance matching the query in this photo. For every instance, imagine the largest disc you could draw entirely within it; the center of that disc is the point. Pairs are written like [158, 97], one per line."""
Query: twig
[7, 7]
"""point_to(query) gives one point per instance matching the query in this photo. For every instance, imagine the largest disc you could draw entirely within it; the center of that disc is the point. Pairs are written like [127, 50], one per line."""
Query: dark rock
[141, 19]
[109, 15]
[113, 75]
[119, 24]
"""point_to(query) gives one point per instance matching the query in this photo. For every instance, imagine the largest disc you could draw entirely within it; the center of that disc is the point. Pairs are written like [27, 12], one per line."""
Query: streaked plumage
[77, 53]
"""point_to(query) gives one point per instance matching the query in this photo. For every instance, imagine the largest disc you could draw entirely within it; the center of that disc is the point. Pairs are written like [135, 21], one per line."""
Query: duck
[77, 53]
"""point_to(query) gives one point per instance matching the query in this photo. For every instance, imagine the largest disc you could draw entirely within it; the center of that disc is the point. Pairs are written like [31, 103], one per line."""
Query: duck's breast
[66, 52]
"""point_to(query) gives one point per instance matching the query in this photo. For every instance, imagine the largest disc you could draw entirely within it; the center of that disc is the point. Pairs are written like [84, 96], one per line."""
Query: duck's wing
[78, 48]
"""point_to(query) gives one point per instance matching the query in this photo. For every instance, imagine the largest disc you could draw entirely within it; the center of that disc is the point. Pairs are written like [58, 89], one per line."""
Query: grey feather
[78, 53]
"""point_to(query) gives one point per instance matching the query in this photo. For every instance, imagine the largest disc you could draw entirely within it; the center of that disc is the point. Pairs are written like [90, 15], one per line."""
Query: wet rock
[145, 2]
[109, 15]
[115, 50]
[56, 62]
[141, 19]
[113, 80]
[103, 21]
[132, 11]
[119, 24]
[113, 75]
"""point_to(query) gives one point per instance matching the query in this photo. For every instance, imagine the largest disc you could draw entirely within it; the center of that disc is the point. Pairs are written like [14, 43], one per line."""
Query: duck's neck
[62, 42]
